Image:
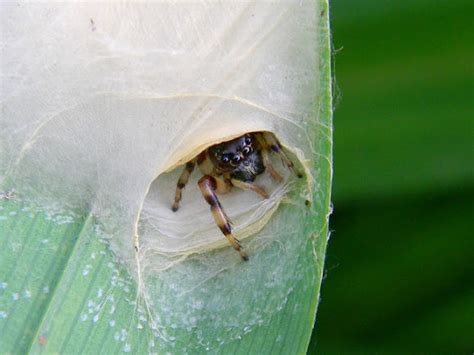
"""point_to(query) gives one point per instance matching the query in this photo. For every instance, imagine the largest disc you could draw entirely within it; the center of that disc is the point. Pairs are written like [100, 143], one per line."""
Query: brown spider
[233, 163]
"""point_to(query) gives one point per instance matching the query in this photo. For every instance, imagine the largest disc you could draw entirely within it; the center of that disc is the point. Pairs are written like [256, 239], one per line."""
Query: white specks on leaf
[127, 348]
[86, 270]
[123, 334]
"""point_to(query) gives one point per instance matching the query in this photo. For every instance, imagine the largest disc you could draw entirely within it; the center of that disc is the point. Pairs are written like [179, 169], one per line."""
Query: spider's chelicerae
[233, 163]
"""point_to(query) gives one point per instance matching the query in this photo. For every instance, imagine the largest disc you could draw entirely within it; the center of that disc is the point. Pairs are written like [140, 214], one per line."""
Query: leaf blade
[79, 317]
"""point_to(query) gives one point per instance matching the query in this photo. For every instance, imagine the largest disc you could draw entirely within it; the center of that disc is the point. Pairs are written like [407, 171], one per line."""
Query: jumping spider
[233, 163]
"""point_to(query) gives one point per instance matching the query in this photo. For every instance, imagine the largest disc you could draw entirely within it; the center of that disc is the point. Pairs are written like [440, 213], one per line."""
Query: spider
[233, 163]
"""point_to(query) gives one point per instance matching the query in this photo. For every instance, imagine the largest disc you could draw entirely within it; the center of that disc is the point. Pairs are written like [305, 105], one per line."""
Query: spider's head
[241, 157]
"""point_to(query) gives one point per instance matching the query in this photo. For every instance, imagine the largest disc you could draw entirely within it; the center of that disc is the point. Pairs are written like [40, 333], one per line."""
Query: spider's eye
[248, 140]
[246, 150]
[235, 160]
[226, 158]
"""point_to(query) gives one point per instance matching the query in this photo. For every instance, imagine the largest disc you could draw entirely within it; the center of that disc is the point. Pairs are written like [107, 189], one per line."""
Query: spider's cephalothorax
[233, 163]
[241, 158]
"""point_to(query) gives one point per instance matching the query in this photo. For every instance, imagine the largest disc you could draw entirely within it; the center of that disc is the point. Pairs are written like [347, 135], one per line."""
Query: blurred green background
[400, 262]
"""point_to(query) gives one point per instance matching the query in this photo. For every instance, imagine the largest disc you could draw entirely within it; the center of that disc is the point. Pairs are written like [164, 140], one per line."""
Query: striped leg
[270, 141]
[182, 181]
[209, 186]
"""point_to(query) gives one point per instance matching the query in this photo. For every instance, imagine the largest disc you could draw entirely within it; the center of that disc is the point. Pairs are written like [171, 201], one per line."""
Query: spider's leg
[209, 186]
[182, 181]
[249, 186]
[269, 166]
[270, 141]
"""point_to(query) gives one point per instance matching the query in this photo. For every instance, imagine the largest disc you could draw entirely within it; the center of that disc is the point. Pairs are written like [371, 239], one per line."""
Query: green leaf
[62, 290]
